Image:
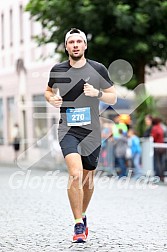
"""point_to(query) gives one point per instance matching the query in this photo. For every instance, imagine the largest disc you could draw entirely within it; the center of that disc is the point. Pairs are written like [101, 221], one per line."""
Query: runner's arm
[52, 96]
[109, 95]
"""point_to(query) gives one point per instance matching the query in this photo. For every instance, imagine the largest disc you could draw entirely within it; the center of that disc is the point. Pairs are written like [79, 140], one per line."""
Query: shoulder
[96, 65]
[61, 67]
[103, 72]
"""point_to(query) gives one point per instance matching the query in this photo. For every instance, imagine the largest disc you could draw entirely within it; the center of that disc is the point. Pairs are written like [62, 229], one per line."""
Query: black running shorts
[72, 144]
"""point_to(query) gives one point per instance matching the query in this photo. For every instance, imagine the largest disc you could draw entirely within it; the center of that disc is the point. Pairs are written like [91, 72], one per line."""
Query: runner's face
[76, 47]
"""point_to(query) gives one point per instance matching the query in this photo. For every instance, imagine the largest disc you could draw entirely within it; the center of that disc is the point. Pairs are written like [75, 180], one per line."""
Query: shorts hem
[69, 152]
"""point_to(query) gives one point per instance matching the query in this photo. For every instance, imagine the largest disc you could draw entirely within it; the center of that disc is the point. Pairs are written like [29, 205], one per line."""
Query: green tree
[128, 29]
[117, 29]
[146, 107]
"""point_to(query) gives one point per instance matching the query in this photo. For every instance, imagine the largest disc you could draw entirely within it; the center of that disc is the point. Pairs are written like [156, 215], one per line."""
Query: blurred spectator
[125, 118]
[164, 127]
[16, 140]
[134, 144]
[158, 135]
[106, 132]
[148, 123]
[120, 147]
[118, 125]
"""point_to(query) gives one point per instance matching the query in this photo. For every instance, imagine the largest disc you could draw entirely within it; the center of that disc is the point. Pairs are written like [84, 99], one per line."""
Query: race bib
[78, 116]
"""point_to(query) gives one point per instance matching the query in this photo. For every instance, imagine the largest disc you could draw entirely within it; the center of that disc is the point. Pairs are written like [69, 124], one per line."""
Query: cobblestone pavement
[123, 216]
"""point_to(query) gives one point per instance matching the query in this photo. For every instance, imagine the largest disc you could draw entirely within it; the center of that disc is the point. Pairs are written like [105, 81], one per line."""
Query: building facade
[24, 72]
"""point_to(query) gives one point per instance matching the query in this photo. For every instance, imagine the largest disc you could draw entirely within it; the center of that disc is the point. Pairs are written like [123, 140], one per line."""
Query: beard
[76, 58]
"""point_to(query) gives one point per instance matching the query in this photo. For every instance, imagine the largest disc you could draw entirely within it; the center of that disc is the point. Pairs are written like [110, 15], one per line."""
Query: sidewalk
[45, 163]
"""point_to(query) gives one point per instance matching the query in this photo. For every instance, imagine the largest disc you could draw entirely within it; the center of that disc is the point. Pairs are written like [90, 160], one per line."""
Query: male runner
[76, 86]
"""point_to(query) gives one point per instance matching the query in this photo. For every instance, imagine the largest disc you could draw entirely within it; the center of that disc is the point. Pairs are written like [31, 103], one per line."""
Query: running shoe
[86, 227]
[79, 233]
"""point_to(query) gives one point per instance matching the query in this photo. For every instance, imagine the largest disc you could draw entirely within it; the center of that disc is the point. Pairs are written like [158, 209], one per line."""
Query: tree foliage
[118, 29]
[148, 107]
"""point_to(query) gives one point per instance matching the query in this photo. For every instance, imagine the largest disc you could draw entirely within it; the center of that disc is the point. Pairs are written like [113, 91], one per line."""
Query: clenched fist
[89, 90]
[56, 101]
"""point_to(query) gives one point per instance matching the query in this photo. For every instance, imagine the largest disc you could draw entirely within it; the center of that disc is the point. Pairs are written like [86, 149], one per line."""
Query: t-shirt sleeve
[105, 81]
[52, 78]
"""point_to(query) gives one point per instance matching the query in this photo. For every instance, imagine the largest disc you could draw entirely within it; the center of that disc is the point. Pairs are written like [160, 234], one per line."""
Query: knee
[75, 177]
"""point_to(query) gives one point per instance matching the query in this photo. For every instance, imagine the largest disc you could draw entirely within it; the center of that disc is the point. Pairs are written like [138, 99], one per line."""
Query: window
[11, 28]
[39, 118]
[21, 24]
[11, 116]
[2, 31]
[1, 122]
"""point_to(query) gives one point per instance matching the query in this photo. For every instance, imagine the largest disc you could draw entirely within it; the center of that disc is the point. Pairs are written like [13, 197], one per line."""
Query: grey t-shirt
[70, 82]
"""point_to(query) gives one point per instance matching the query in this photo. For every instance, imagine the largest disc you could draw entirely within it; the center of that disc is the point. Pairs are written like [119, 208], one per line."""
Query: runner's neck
[77, 64]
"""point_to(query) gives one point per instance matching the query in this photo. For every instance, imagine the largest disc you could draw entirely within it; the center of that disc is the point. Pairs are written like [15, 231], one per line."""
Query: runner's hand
[56, 101]
[89, 90]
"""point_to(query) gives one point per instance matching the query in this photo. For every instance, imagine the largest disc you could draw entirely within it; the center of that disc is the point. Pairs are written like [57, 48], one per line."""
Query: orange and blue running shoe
[85, 224]
[79, 233]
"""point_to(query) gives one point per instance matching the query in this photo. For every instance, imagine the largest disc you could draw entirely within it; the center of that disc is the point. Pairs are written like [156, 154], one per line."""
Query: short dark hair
[74, 30]
[156, 120]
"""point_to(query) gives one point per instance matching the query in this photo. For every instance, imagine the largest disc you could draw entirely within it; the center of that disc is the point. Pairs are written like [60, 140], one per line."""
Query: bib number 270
[78, 117]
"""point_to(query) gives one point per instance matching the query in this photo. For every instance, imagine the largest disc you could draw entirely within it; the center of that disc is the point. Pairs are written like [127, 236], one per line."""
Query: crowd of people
[121, 146]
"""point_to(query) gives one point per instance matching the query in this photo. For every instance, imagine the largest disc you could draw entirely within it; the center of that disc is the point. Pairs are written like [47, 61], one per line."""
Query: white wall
[37, 70]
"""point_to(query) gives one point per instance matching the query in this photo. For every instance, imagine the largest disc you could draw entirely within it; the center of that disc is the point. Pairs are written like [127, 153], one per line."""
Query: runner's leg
[75, 189]
[88, 188]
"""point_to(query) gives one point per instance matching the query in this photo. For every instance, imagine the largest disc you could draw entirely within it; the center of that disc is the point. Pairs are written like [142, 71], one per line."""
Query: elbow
[45, 96]
[114, 100]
